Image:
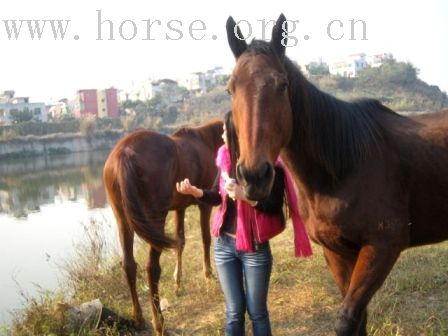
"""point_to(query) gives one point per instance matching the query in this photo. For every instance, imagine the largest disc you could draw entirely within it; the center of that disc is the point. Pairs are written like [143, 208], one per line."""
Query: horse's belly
[332, 237]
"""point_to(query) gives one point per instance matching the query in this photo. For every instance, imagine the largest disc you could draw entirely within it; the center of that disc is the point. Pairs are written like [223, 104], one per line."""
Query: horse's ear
[279, 38]
[237, 43]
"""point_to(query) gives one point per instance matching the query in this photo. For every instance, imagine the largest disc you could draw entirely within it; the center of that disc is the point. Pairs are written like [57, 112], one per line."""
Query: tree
[318, 69]
[399, 73]
[17, 116]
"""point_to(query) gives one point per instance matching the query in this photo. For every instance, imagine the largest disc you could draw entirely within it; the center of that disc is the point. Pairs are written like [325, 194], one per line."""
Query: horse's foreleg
[341, 268]
[154, 271]
[371, 269]
[205, 211]
[179, 216]
[362, 330]
[130, 268]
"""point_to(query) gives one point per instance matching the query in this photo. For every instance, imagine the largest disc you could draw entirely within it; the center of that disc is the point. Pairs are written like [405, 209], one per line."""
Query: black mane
[338, 134]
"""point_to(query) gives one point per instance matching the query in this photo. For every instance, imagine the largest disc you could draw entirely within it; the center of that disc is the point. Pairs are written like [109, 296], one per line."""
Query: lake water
[45, 202]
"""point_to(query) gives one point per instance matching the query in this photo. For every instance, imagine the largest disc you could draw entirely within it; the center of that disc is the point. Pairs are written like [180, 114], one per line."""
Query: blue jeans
[244, 280]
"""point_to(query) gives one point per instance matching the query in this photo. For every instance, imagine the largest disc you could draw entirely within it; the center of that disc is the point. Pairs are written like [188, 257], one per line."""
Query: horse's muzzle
[257, 182]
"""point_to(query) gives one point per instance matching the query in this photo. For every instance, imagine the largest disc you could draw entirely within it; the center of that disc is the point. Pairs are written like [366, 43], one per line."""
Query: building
[375, 61]
[136, 91]
[149, 88]
[165, 87]
[10, 104]
[196, 83]
[86, 103]
[350, 67]
[200, 82]
[59, 109]
[353, 64]
[98, 103]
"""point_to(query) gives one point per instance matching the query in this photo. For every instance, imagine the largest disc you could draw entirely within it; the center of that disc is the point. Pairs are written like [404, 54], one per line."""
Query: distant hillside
[395, 84]
[197, 109]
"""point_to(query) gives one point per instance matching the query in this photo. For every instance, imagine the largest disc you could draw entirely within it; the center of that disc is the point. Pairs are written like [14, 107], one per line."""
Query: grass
[303, 299]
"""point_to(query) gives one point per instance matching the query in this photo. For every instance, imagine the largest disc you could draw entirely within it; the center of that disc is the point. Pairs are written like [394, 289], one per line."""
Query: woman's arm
[210, 196]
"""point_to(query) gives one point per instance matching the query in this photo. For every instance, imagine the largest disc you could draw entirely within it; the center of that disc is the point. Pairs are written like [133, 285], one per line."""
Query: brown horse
[140, 175]
[371, 182]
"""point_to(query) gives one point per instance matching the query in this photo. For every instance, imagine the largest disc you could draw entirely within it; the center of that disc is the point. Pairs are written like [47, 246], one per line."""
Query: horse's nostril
[262, 174]
[265, 171]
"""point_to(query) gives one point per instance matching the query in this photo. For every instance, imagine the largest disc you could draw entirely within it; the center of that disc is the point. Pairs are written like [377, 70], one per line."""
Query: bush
[87, 126]
[129, 122]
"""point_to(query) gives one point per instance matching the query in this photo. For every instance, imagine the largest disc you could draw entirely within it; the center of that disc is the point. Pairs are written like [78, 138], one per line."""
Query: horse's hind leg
[179, 216]
[371, 269]
[130, 267]
[205, 211]
[153, 271]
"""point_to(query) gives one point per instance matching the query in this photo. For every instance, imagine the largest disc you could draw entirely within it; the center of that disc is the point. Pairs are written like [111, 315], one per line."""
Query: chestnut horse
[140, 175]
[371, 182]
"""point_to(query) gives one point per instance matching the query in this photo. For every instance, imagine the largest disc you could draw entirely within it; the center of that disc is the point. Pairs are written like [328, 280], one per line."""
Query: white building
[9, 103]
[353, 64]
[199, 82]
[375, 61]
[160, 86]
[350, 67]
[196, 82]
[136, 91]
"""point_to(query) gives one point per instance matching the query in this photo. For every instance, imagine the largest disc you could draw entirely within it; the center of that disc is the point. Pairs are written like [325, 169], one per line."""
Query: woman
[243, 229]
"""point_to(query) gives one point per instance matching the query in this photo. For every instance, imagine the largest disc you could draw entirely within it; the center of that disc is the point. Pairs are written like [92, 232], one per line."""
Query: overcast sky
[191, 37]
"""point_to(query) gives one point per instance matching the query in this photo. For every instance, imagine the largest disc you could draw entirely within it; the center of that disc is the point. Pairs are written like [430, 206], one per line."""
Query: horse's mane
[338, 134]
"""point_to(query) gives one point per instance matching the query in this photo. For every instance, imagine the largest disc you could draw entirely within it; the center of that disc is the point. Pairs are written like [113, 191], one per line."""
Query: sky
[190, 36]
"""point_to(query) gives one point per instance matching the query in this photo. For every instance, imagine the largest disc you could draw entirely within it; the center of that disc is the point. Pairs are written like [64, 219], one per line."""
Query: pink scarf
[244, 234]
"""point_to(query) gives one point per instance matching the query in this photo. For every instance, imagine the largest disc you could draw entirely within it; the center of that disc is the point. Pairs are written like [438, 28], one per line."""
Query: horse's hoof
[139, 322]
[346, 325]
[140, 325]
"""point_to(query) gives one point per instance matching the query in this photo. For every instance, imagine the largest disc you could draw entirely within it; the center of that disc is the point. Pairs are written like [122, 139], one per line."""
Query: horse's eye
[282, 87]
[228, 91]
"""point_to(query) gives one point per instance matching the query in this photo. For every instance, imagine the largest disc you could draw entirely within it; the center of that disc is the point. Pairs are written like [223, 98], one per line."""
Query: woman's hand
[236, 192]
[185, 187]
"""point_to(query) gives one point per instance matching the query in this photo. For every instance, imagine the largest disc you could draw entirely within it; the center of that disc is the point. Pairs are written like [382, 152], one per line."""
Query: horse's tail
[132, 193]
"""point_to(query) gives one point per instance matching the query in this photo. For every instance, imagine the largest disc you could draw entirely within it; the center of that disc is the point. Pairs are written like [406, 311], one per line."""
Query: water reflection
[26, 185]
[44, 203]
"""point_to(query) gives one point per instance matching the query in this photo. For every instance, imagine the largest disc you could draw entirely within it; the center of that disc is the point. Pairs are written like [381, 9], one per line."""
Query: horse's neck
[211, 136]
[303, 160]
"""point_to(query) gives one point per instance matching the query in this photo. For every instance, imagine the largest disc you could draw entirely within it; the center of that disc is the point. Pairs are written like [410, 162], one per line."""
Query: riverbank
[303, 299]
[60, 143]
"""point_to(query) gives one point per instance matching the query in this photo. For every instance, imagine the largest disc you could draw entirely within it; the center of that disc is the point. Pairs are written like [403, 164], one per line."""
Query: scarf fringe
[302, 245]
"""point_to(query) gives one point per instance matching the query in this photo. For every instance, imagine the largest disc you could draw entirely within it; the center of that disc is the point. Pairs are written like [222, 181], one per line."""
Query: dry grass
[303, 299]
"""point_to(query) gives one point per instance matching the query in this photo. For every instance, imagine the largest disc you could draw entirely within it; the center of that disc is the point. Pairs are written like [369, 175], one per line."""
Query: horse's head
[260, 106]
